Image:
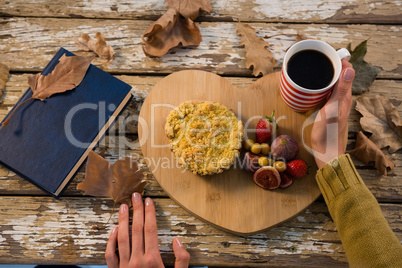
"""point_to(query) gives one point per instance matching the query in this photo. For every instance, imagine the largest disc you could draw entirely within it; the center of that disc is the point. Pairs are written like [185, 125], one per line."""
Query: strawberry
[266, 126]
[296, 168]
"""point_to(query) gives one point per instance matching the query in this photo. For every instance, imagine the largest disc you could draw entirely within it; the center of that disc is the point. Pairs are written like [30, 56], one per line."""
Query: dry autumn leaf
[257, 54]
[366, 151]
[381, 119]
[365, 72]
[169, 31]
[300, 37]
[67, 75]
[190, 8]
[118, 181]
[98, 46]
[4, 73]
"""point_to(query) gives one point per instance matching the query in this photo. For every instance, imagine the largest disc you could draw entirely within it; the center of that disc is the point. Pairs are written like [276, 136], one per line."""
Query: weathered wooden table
[36, 228]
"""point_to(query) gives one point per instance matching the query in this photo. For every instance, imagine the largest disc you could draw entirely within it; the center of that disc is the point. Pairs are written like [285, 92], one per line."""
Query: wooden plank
[42, 230]
[384, 188]
[342, 11]
[120, 142]
[17, 84]
[12, 184]
[127, 123]
[31, 42]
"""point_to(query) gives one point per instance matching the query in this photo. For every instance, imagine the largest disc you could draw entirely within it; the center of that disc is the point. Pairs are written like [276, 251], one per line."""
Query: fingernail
[123, 208]
[148, 201]
[136, 196]
[114, 230]
[179, 242]
[348, 74]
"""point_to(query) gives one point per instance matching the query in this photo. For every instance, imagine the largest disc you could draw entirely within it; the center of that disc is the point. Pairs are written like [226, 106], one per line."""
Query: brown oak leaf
[190, 8]
[300, 37]
[366, 151]
[118, 181]
[169, 31]
[98, 46]
[67, 75]
[4, 73]
[381, 119]
[257, 54]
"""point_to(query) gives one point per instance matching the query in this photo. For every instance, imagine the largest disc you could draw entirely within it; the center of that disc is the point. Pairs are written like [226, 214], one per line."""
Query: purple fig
[284, 147]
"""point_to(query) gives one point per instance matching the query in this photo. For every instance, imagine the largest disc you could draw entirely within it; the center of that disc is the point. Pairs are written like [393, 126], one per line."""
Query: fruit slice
[286, 180]
[250, 162]
[267, 178]
[280, 166]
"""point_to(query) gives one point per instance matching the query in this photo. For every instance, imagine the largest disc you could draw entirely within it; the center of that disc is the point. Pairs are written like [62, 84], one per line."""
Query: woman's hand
[329, 133]
[144, 249]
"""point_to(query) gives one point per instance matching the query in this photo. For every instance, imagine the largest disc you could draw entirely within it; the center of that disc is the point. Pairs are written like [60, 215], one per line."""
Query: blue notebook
[47, 141]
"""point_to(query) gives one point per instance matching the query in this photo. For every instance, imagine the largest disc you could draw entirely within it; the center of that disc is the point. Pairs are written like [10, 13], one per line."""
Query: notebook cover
[47, 141]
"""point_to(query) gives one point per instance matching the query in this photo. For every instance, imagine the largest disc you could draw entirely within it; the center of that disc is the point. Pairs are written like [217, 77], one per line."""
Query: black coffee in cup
[310, 69]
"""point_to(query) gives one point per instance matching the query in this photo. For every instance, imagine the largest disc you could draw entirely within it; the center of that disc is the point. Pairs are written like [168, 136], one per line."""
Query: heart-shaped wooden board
[229, 200]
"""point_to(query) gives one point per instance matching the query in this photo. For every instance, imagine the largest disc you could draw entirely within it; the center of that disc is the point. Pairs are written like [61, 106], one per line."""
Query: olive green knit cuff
[337, 176]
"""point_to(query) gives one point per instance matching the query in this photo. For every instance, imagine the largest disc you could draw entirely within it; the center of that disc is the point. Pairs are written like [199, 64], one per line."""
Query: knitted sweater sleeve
[365, 234]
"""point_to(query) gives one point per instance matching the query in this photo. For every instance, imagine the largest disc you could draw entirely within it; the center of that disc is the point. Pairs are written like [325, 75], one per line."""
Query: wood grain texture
[40, 230]
[31, 42]
[122, 139]
[343, 11]
[384, 188]
[37, 229]
[230, 199]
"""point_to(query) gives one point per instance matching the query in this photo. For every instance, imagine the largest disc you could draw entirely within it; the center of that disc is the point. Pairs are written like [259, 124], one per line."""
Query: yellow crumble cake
[205, 136]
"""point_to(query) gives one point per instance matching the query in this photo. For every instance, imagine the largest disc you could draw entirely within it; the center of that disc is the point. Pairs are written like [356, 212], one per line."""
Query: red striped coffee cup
[302, 99]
